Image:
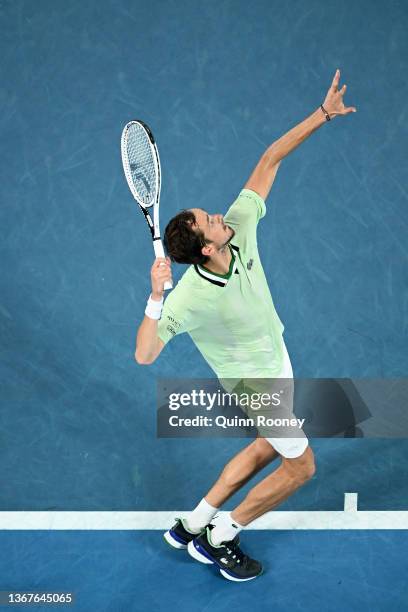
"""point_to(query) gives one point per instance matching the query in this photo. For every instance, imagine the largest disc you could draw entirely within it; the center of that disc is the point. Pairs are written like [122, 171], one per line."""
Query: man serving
[224, 303]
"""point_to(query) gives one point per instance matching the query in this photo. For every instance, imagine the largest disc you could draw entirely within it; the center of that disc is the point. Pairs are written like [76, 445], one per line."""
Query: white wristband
[154, 308]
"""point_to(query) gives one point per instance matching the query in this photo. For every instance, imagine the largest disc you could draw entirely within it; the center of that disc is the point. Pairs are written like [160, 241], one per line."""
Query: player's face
[213, 227]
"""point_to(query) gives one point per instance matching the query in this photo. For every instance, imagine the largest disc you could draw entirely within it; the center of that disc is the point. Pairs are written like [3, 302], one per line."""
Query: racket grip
[158, 248]
[159, 252]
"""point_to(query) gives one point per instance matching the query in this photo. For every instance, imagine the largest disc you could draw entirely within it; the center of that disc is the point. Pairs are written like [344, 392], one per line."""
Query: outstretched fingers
[350, 109]
[335, 81]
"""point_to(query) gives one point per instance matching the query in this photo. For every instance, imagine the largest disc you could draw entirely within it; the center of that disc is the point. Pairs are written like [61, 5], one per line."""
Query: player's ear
[207, 250]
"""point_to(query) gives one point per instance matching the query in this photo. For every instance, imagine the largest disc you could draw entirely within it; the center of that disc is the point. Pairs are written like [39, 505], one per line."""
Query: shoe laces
[234, 552]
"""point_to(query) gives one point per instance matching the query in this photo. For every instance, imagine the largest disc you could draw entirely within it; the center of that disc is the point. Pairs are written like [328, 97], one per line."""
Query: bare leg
[240, 469]
[275, 488]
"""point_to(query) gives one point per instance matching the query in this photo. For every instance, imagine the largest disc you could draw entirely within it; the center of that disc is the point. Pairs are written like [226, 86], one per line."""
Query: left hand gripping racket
[141, 163]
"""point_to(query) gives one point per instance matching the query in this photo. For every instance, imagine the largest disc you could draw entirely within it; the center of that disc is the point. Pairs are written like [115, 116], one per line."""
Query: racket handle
[159, 252]
[167, 284]
[158, 248]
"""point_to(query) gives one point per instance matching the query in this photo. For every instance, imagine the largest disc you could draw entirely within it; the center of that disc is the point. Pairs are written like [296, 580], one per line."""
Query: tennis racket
[141, 163]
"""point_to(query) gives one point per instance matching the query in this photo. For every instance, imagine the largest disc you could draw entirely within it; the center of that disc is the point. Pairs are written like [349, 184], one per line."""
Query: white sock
[200, 516]
[226, 528]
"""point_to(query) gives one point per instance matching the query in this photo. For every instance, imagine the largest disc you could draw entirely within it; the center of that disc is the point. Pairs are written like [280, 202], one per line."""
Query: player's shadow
[331, 407]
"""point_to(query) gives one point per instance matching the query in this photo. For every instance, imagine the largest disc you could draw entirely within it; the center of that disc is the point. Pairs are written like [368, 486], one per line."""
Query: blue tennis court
[218, 82]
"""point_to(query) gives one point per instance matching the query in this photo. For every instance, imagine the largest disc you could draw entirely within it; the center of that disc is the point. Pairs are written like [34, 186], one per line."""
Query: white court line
[349, 518]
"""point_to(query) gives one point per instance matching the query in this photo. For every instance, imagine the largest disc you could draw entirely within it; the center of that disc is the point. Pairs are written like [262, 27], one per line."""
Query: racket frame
[153, 224]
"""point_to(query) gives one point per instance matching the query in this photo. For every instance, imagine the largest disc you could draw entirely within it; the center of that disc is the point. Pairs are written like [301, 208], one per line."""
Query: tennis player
[224, 303]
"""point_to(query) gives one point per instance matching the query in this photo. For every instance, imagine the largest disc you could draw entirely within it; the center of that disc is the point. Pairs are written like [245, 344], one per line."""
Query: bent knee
[302, 468]
[310, 466]
[309, 470]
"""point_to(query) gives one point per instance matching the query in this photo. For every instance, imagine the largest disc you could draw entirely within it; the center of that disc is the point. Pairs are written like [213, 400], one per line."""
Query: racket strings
[141, 164]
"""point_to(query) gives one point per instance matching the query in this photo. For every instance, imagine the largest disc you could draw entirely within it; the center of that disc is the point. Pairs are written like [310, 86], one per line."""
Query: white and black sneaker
[179, 536]
[233, 563]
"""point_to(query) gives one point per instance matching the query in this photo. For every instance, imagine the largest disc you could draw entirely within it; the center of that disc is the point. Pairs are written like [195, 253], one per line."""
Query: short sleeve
[175, 317]
[244, 214]
[248, 207]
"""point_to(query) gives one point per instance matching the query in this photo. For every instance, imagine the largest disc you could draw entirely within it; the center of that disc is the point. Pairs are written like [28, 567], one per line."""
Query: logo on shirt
[173, 321]
[171, 330]
[249, 264]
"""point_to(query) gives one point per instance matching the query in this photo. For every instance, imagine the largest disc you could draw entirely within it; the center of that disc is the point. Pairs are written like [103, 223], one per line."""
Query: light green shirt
[231, 318]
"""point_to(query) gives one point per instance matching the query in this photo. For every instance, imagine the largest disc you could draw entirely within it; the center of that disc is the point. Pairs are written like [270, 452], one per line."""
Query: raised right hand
[160, 273]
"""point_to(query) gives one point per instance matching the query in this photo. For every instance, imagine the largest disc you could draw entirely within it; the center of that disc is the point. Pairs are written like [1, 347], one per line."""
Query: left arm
[262, 178]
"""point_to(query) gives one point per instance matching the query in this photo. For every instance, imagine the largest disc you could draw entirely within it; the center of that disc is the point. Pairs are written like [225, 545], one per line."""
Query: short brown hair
[183, 243]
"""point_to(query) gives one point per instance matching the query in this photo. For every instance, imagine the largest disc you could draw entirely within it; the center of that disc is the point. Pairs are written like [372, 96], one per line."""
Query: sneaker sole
[229, 577]
[199, 556]
[173, 542]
